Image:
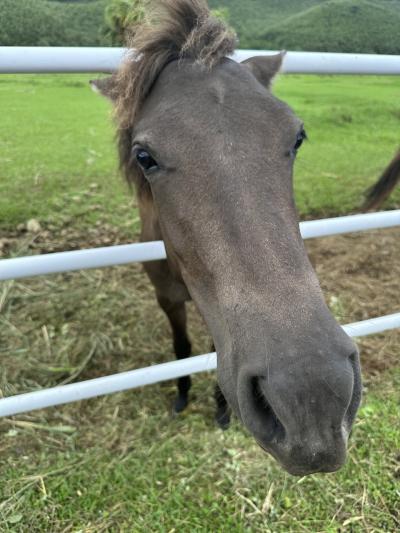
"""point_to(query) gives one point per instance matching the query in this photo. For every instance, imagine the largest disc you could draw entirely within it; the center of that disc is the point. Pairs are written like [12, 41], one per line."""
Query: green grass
[122, 463]
[56, 140]
[130, 467]
[353, 127]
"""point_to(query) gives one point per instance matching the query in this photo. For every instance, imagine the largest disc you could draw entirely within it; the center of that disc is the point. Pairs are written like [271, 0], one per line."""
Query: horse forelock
[171, 30]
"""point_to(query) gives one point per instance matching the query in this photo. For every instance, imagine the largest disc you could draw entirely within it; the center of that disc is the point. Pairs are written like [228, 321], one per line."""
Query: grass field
[123, 463]
[56, 140]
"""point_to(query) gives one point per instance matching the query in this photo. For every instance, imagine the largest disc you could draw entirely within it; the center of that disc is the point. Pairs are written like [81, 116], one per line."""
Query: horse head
[211, 151]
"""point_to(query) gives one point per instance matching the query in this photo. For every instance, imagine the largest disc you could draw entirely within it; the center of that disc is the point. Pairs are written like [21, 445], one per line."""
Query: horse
[210, 152]
[381, 190]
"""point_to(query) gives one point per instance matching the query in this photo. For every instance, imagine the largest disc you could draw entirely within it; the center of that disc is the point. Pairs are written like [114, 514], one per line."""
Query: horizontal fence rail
[21, 59]
[132, 379]
[38, 265]
[106, 60]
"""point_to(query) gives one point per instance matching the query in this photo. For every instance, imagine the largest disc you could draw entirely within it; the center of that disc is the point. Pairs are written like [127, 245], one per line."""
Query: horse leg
[223, 412]
[176, 313]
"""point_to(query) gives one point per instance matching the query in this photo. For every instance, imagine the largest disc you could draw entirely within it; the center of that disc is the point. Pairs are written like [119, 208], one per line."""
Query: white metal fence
[151, 375]
[39, 265]
[26, 59]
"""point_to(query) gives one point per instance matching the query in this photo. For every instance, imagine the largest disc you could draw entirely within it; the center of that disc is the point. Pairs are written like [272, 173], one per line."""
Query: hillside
[251, 18]
[51, 23]
[334, 25]
[320, 25]
[339, 26]
[85, 21]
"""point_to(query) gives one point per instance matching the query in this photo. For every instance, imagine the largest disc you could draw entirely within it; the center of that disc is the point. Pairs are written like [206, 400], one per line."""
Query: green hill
[85, 21]
[51, 23]
[320, 25]
[339, 26]
[251, 18]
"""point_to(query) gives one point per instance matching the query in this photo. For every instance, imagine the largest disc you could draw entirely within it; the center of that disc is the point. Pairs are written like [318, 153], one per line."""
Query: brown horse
[210, 152]
[382, 189]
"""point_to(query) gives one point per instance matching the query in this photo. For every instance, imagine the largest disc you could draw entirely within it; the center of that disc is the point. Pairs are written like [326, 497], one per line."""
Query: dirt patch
[57, 238]
[359, 274]
[56, 329]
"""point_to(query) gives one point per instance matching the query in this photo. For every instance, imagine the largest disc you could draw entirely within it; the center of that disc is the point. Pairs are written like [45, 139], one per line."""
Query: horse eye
[301, 137]
[145, 160]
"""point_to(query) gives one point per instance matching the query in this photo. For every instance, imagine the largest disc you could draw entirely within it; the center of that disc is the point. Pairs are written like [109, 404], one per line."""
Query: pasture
[123, 463]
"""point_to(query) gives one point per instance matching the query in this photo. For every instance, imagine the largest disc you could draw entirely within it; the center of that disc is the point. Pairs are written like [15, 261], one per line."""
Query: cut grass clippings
[123, 463]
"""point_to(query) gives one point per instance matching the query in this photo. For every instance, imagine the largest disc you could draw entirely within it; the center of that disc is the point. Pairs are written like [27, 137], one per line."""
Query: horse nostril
[272, 426]
[356, 391]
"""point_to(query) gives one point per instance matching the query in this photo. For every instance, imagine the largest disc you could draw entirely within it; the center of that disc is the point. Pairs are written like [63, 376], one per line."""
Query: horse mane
[171, 30]
[378, 193]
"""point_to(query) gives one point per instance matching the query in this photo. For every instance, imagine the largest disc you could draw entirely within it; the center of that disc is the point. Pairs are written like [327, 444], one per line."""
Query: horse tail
[377, 194]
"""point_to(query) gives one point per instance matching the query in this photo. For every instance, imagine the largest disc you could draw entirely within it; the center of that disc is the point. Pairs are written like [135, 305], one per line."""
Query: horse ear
[106, 87]
[265, 68]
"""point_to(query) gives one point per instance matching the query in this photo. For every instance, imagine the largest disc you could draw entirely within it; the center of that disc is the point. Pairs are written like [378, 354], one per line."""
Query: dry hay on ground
[82, 325]
[359, 274]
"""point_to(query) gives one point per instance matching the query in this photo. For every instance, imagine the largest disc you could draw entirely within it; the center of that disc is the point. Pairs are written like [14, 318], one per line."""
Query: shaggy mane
[171, 29]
